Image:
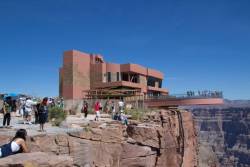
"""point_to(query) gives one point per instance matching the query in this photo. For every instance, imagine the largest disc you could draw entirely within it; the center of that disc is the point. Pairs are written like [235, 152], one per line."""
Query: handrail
[188, 95]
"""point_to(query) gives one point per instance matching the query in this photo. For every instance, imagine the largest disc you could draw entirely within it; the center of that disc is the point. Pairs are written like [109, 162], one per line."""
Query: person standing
[7, 113]
[53, 104]
[43, 113]
[18, 104]
[85, 109]
[28, 110]
[14, 107]
[22, 106]
[97, 110]
[37, 112]
[62, 103]
[113, 109]
[121, 106]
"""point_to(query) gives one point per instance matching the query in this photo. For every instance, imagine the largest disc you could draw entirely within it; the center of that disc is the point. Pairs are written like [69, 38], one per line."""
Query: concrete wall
[75, 74]
[81, 74]
[67, 69]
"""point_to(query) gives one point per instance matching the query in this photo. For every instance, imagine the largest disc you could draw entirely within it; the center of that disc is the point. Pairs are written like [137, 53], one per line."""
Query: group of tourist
[26, 108]
[18, 143]
[205, 93]
[109, 108]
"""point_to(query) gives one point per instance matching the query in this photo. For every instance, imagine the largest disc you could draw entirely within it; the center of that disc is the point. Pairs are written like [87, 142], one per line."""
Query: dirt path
[72, 123]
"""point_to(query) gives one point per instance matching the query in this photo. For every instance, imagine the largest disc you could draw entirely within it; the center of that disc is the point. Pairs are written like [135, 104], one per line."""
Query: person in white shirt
[121, 106]
[21, 105]
[16, 145]
[113, 109]
[28, 110]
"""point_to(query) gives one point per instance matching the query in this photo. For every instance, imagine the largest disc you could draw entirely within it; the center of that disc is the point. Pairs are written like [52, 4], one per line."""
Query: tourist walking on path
[121, 106]
[37, 112]
[113, 109]
[21, 106]
[7, 112]
[28, 110]
[43, 113]
[16, 145]
[97, 110]
[85, 109]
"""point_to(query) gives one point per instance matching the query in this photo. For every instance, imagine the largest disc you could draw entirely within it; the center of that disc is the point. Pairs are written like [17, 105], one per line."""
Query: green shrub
[137, 114]
[56, 115]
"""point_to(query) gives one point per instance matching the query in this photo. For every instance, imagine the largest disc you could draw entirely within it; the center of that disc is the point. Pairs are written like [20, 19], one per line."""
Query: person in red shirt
[97, 110]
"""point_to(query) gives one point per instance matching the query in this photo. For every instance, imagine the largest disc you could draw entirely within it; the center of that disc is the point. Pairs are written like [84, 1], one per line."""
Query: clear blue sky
[197, 44]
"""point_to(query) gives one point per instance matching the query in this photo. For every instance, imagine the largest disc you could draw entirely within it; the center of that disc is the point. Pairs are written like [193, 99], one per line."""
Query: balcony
[161, 90]
[191, 98]
[118, 84]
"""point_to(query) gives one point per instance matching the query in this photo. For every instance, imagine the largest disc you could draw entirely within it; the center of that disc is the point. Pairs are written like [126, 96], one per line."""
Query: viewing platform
[191, 98]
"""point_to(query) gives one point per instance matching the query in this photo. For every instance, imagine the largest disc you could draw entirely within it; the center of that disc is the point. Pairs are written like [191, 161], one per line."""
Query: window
[151, 81]
[124, 76]
[154, 82]
[117, 76]
[109, 76]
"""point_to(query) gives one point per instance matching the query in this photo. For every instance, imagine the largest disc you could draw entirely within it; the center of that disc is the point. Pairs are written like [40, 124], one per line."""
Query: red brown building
[86, 75]
[83, 72]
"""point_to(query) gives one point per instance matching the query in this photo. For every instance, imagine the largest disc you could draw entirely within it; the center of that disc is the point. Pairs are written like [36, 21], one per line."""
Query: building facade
[83, 73]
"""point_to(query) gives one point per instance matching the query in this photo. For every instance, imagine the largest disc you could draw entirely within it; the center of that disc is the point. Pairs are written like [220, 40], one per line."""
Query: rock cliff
[164, 138]
[223, 136]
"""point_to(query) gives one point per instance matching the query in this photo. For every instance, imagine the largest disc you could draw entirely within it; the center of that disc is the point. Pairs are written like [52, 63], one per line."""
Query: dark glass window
[109, 76]
[151, 81]
[118, 76]
[125, 76]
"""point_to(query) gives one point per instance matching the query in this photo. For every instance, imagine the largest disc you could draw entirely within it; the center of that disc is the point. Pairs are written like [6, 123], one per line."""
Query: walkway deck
[183, 102]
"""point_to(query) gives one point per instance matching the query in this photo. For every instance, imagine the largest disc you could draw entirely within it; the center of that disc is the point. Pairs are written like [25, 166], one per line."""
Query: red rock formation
[36, 159]
[166, 139]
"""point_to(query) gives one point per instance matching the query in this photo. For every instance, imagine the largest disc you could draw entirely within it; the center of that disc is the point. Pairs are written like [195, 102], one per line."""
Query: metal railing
[188, 95]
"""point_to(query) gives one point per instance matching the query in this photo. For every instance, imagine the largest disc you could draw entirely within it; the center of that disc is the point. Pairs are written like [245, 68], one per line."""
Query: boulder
[144, 135]
[135, 151]
[36, 159]
[108, 134]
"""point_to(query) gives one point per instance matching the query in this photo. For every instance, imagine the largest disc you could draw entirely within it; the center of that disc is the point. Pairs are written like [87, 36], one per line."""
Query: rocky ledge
[164, 138]
[36, 159]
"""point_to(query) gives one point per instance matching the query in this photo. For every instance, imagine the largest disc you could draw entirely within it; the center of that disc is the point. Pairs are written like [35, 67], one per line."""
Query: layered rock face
[224, 136]
[36, 159]
[165, 138]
